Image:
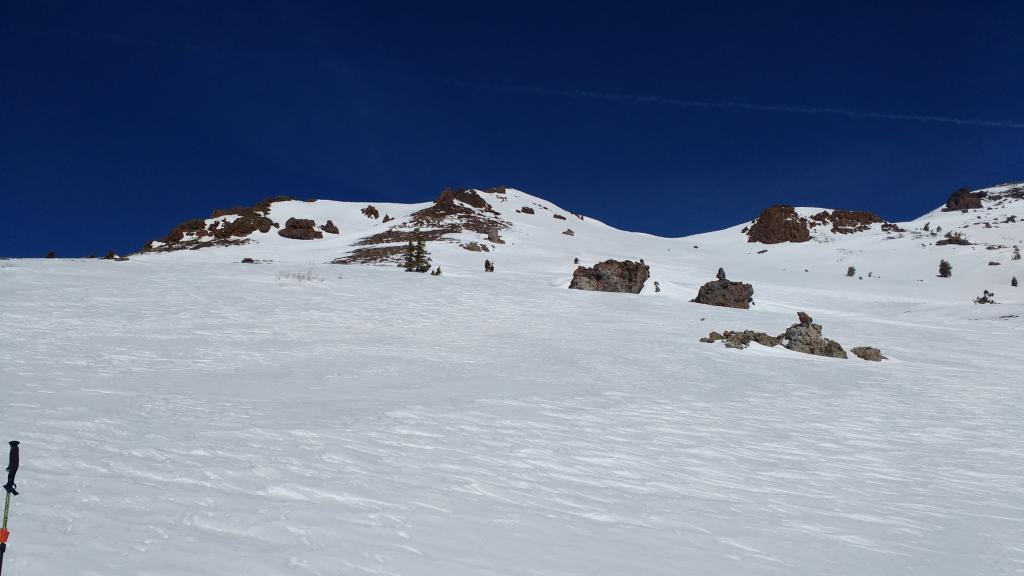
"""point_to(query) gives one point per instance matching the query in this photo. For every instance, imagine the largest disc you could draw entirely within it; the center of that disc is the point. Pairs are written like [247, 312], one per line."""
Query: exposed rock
[248, 261]
[868, 353]
[779, 223]
[723, 292]
[195, 234]
[51, 254]
[805, 337]
[743, 339]
[845, 221]
[954, 239]
[569, 232]
[330, 228]
[611, 276]
[300, 229]
[387, 218]
[370, 212]
[963, 199]
[558, 216]
[475, 247]
[493, 236]
[526, 210]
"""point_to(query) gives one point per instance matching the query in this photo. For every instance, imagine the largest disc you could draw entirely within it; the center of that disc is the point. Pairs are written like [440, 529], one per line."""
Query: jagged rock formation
[526, 210]
[779, 223]
[193, 234]
[805, 336]
[846, 221]
[723, 292]
[370, 212]
[963, 199]
[569, 232]
[868, 353]
[300, 229]
[612, 276]
[330, 228]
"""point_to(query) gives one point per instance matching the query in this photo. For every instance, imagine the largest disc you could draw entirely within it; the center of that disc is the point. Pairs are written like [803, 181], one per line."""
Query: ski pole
[11, 488]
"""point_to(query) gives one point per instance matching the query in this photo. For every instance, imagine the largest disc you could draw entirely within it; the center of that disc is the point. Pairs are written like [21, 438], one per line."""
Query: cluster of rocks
[612, 276]
[455, 211]
[724, 292]
[805, 337]
[781, 223]
[371, 212]
[195, 234]
[300, 229]
[848, 221]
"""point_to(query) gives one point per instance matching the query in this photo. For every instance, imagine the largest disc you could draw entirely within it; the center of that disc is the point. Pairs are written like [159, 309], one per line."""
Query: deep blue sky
[120, 119]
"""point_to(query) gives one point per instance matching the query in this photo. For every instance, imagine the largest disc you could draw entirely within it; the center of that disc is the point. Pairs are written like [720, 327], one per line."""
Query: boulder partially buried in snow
[805, 336]
[723, 292]
[300, 229]
[868, 353]
[612, 276]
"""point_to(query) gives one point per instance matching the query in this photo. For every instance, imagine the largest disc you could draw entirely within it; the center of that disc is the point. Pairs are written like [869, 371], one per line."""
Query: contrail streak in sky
[641, 99]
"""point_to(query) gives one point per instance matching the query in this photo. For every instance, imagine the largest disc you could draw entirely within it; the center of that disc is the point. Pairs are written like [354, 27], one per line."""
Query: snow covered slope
[183, 413]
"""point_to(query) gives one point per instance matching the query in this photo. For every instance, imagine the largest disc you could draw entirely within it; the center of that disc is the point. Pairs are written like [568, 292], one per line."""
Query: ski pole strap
[12, 468]
[4, 535]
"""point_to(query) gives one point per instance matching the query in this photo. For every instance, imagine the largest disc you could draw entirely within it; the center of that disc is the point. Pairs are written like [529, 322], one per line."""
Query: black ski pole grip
[12, 468]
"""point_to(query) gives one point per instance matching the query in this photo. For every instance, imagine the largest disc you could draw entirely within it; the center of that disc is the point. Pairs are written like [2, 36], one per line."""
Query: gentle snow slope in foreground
[184, 415]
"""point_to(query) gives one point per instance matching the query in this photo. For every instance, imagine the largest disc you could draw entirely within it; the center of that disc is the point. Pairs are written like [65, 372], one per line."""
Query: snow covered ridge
[475, 220]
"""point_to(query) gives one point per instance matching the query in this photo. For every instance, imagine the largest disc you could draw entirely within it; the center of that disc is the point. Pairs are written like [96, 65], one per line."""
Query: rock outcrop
[742, 339]
[779, 223]
[846, 221]
[612, 276]
[300, 229]
[330, 228]
[371, 212]
[963, 199]
[805, 336]
[868, 353]
[195, 234]
[723, 292]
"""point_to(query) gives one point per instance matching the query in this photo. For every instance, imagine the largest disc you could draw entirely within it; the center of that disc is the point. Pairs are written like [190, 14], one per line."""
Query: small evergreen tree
[945, 269]
[851, 271]
[488, 266]
[421, 258]
[410, 257]
[1013, 281]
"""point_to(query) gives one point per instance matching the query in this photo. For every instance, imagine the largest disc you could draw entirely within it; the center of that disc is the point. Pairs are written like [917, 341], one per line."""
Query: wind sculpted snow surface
[185, 414]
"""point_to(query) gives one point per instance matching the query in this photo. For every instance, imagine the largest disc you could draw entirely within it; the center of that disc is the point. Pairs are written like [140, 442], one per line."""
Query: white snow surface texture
[183, 413]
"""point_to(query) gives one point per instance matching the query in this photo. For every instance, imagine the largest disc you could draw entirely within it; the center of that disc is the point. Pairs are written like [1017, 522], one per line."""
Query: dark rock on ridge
[779, 223]
[963, 199]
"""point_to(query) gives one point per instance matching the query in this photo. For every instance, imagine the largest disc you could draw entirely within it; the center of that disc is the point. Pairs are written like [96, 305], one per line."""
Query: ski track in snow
[216, 419]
